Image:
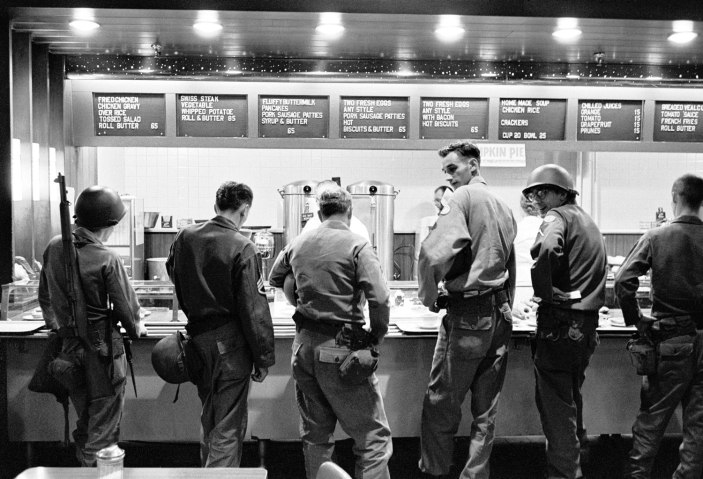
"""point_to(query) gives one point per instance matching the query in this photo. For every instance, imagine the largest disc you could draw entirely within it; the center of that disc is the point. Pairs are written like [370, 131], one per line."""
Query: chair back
[330, 470]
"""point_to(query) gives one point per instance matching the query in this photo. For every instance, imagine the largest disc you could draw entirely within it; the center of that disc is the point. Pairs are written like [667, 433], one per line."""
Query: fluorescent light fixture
[653, 78]
[489, 75]
[331, 30]
[449, 34]
[682, 37]
[36, 177]
[84, 25]
[566, 33]
[207, 28]
[572, 76]
[16, 165]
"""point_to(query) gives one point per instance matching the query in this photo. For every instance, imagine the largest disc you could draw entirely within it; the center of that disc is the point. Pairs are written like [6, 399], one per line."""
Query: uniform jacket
[674, 253]
[470, 246]
[334, 270]
[569, 255]
[217, 277]
[103, 278]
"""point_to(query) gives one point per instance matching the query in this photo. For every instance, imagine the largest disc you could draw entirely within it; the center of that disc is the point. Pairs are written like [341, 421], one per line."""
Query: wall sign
[678, 121]
[129, 114]
[531, 119]
[609, 120]
[445, 118]
[373, 117]
[211, 115]
[293, 116]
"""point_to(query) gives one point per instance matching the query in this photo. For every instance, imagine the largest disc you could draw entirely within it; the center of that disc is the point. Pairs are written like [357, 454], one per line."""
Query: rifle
[98, 380]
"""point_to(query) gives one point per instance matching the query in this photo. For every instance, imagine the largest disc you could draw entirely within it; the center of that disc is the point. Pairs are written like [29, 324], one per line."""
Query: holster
[359, 365]
[643, 354]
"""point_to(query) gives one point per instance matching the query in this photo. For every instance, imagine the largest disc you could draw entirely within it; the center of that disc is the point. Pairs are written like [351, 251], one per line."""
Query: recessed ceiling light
[682, 37]
[207, 28]
[330, 29]
[449, 33]
[84, 25]
[566, 33]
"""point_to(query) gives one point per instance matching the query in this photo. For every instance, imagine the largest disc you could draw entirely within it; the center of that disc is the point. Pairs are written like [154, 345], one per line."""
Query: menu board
[293, 116]
[609, 120]
[373, 117]
[678, 121]
[129, 114]
[446, 118]
[211, 115]
[531, 119]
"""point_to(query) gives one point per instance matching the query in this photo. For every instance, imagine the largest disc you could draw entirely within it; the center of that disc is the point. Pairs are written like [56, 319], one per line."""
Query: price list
[444, 118]
[126, 114]
[211, 115]
[531, 119]
[293, 116]
[678, 121]
[609, 120]
[373, 117]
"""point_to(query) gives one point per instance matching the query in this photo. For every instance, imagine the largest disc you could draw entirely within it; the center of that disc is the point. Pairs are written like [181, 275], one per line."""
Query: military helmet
[98, 207]
[168, 359]
[550, 175]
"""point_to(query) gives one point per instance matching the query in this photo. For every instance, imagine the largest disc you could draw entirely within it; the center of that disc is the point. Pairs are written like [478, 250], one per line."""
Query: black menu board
[678, 121]
[211, 115]
[293, 116]
[129, 114]
[531, 119]
[373, 117]
[609, 120]
[445, 118]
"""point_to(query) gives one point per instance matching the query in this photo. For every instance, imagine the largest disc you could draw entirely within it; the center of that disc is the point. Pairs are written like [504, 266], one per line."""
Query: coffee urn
[298, 207]
[372, 203]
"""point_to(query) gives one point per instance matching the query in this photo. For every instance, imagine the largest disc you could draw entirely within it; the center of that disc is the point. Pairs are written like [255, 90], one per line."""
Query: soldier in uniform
[217, 276]
[674, 254]
[334, 269]
[110, 301]
[568, 278]
[470, 248]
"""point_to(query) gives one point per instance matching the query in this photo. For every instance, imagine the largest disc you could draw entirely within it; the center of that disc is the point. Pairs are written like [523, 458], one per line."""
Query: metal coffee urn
[298, 207]
[372, 203]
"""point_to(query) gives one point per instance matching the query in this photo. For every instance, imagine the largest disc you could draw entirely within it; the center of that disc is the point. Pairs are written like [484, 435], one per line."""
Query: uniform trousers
[678, 380]
[564, 344]
[471, 354]
[323, 399]
[223, 389]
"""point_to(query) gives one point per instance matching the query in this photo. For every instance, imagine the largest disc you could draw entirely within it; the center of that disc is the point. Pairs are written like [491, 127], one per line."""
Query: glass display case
[128, 237]
[157, 299]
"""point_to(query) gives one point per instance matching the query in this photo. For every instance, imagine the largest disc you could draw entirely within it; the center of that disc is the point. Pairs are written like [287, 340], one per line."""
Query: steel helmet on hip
[168, 359]
[99, 207]
[550, 175]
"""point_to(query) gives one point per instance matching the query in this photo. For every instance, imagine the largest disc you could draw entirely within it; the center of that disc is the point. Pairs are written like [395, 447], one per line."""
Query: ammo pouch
[643, 354]
[359, 365]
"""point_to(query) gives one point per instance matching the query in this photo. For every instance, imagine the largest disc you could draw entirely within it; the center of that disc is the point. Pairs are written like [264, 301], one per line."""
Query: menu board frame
[105, 114]
[209, 110]
[605, 120]
[365, 111]
[513, 119]
[683, 121]
[279, 116]
[470, 123]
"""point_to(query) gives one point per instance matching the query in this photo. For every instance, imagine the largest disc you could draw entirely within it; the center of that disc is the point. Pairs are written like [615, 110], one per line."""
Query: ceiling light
[331, 30]
[682, 37]
[84, 25]
[449, 33]
[207, 29]
[566, 33]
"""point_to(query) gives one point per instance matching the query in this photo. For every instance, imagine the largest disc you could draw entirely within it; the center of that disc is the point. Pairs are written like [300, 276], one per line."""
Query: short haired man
[217, 276]
[471, 250]
[355, 223]
[110, 302]
[568, 279]
[334, 269]
[674, 254]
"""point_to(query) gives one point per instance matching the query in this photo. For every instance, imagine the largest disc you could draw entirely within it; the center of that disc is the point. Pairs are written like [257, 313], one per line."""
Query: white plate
[19, 327]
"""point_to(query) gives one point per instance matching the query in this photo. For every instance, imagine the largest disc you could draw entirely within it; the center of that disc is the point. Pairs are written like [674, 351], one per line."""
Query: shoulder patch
[445, 210]
[549, 218]
[260, 286]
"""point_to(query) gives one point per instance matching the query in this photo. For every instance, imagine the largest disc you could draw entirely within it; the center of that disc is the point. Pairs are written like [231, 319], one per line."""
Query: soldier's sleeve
[45, 297]
[548, 253]
[637, 263]
[280, 269]
[372, 282]
[252, 307]
[445, 241]
[125, 306]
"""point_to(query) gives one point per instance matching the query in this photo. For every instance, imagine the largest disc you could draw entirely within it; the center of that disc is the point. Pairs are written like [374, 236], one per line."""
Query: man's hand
[259, 374]
[141, 329]
[524, 309]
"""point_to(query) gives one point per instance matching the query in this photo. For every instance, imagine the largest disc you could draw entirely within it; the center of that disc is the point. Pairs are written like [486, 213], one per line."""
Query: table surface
[145, 472]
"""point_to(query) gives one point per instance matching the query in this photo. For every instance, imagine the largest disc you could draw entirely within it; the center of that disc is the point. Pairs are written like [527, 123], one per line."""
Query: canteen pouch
[643, 354]
[359, 365]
